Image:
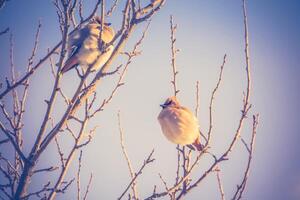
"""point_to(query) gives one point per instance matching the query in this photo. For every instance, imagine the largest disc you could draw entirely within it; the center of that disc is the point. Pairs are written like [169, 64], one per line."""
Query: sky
[206, 31]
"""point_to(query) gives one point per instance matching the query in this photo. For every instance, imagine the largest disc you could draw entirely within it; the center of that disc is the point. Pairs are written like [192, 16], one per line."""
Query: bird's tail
[197, 144]
[70, 63]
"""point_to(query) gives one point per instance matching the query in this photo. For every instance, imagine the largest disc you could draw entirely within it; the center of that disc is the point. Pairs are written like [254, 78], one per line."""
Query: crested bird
[85, 47]
[179, 124]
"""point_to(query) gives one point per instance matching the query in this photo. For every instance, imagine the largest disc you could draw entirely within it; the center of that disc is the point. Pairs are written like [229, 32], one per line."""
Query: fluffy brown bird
[179, 124]
[86, 48]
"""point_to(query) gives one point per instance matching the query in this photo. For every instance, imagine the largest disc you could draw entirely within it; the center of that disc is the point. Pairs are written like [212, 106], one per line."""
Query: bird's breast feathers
[179, 125]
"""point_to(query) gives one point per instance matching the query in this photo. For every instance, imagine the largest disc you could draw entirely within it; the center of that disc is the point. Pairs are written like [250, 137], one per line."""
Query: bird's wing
[70, 64]
[189, 113]
[78, 36]
[186, 110]
[76, 39]
[74, 44]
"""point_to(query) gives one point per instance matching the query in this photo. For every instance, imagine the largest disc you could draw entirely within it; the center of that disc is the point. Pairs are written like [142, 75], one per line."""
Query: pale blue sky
[206, 31]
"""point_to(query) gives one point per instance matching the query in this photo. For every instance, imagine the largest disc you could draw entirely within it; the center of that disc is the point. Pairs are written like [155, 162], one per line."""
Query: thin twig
[80, 10]
[174, 51]
[181, 181]
[113, 7]
[241, 187]
[133, 187]
[165, 184]
[4, 141]
[148, 160]
[197, 99]
[48, 169]
[220, 184]
[178, 165]
[88, 187]
[212, 101]
[12, 141]
[78, 175]
[4, 31]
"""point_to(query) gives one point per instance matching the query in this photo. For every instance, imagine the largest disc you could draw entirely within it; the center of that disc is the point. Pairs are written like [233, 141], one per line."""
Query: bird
[179, 124]
[85, 47]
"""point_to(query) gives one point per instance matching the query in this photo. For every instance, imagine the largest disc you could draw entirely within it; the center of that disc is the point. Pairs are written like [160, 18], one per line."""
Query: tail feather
[197, 144]
[70, 63]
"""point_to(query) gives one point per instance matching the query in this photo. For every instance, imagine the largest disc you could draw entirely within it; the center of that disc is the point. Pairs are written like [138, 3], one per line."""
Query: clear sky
[206, 31]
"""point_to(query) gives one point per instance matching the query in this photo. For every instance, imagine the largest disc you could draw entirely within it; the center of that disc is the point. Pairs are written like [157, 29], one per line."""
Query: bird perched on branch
[179, 124]
[86, 48]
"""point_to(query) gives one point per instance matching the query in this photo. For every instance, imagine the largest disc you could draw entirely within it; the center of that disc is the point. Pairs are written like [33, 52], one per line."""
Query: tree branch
[46, 57]
[241, 187]
[212, 101]
[133, 187]
[148, 160]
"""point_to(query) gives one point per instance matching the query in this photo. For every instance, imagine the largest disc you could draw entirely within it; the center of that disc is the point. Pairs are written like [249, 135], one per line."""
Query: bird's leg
[191, 147]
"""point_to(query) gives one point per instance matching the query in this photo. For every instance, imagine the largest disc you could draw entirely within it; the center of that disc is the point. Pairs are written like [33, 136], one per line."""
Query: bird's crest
[171, 101]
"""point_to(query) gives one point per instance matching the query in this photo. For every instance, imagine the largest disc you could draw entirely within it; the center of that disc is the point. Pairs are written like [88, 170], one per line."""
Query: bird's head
[171, 101]
[97, 19]
[108, 34]
[108, 31]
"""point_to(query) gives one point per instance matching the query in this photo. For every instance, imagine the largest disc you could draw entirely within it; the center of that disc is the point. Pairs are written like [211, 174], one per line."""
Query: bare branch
[37, 193]
[220, 183]
[78, 175]
[6, 193]
[247, 105]
[54, 72]
[68, 161]
[65, 11]
[212, 101]
[46, 57]
[60, 153]
[130, 55]
[4, 141]
[72, 13]
[165, 184]
[12, 141]
[246, 145]
[148, 11]
[174, 51]
[113, 7]
[133, 187]
[197, 99]
[181, 181]
[148, 160]
[7, 116]
[178, 165]
[4, 31]
[35, 46]
[49, 169]
[241, 187]
[88, 187]
[10, 168]
[52, 99]
[245, 110]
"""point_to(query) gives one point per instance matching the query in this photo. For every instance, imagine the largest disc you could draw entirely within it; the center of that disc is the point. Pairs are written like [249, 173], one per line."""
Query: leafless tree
[19, 173]
[18, 168]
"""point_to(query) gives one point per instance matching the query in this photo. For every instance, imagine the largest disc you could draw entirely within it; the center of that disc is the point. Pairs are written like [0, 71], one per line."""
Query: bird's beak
[163, 106]
[107, 24]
